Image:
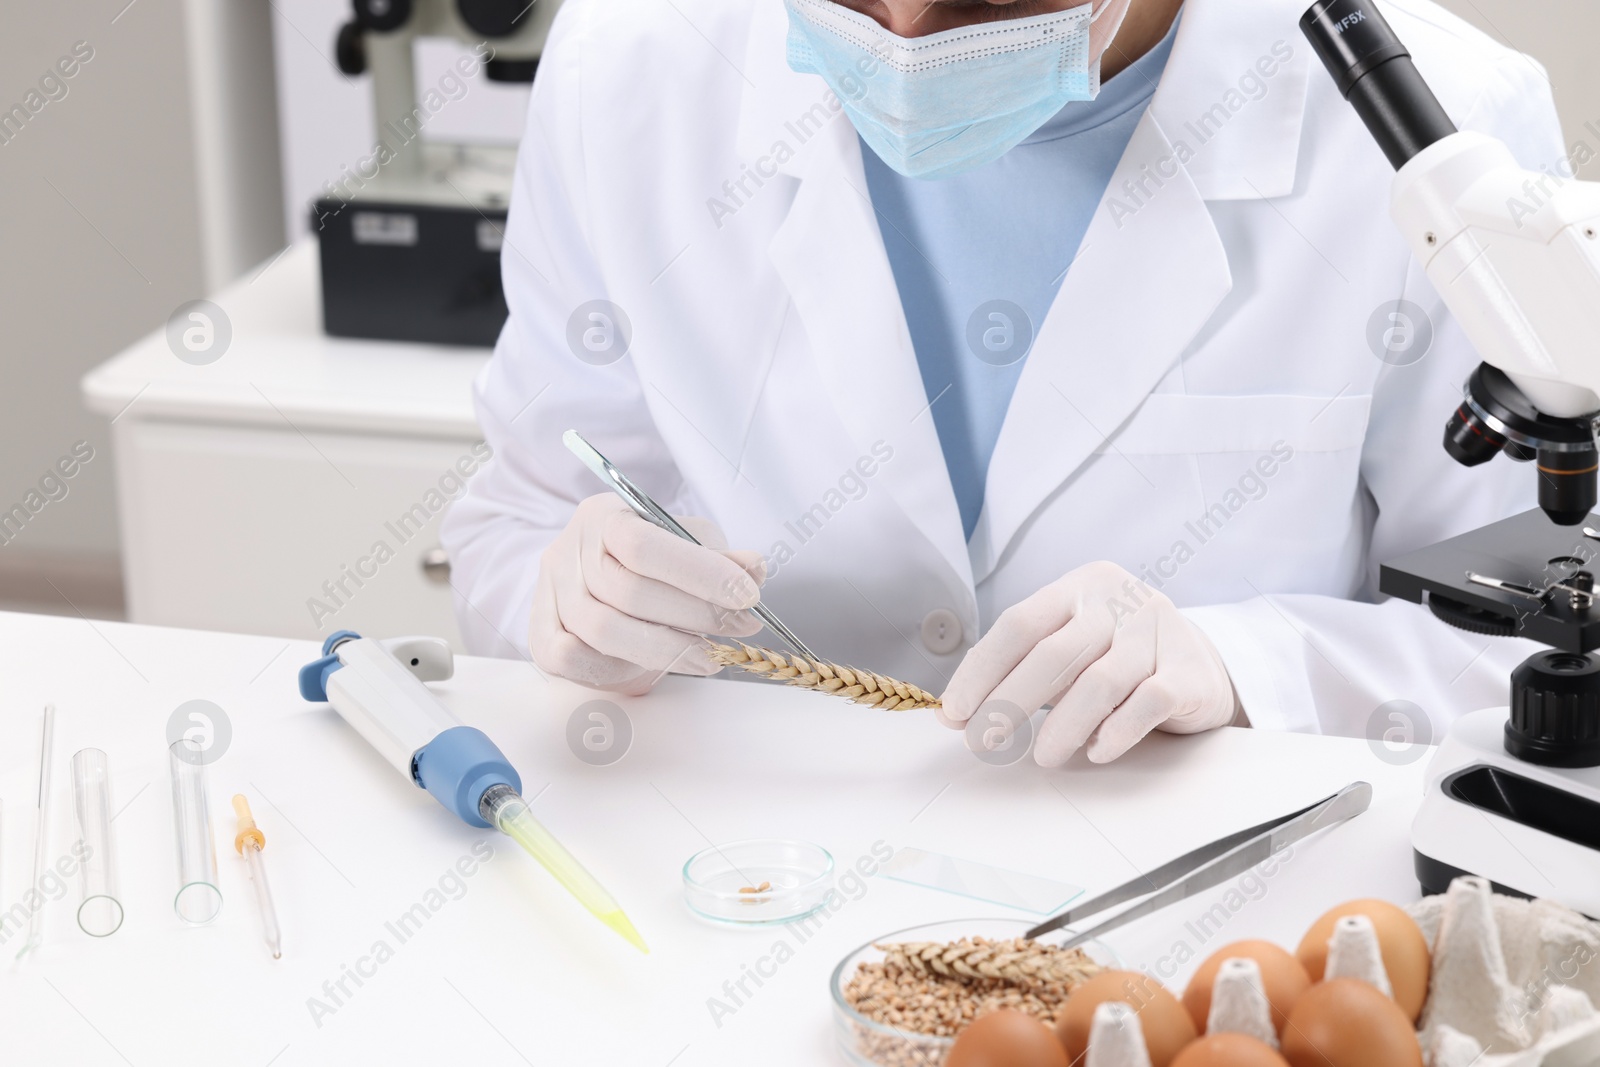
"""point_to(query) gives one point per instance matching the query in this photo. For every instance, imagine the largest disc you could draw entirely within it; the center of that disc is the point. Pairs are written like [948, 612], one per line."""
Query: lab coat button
[941, 632]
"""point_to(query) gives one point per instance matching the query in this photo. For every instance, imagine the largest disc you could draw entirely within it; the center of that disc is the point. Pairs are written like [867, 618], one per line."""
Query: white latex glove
[620, 601]
[1112, 674]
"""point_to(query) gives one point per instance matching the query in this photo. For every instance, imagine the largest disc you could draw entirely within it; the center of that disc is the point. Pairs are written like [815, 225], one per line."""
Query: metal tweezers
[650, 511]
[1209, 865]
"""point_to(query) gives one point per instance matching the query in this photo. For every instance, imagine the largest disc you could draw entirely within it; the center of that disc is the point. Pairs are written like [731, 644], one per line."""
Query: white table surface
[280, 365]
[514, 972]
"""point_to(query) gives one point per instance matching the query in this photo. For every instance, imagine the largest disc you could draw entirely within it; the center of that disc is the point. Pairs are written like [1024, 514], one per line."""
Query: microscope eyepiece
[1374, 72]
[1351, 38]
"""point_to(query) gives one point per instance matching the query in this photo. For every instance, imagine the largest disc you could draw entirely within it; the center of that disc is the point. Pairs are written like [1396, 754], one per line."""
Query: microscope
[410, 231]
[1513, 793]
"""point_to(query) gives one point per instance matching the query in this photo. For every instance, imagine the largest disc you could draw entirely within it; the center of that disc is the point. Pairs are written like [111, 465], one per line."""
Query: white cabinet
[294, 486]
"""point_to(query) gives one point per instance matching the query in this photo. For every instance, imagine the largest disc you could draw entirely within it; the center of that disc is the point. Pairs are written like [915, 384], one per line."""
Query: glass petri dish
[758, 882]
[867, 1043]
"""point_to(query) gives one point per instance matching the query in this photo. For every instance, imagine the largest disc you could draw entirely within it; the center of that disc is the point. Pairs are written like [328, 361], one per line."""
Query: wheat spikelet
[1018, 961]
[862, 687]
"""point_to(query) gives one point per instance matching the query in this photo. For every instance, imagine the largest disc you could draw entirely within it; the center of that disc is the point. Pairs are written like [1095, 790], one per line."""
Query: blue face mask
[941, 104]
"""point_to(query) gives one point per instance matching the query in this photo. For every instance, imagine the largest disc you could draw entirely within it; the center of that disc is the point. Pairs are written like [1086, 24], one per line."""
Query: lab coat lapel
[1150, 272]
[829, 252]
[1144, 282]
[1224, 125]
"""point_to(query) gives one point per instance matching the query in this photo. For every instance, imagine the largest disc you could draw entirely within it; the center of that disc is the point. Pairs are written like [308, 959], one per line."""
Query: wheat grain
[1018, 961]
[933, 989]
[917, 1003]
[862, 687]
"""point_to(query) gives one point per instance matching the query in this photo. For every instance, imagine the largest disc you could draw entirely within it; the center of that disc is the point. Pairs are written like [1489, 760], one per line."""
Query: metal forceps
[1209, 865]
[650, 511]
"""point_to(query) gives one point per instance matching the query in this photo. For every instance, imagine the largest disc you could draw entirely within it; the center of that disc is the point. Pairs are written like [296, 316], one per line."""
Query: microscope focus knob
[1555, 710]
[350, 49]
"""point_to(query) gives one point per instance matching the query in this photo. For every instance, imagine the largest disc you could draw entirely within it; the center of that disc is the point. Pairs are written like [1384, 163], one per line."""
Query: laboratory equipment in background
[411, 234]
[377, 687]
[41, 825]
[249, 842]
[198, 900]
[100, 909]
[1513, 793]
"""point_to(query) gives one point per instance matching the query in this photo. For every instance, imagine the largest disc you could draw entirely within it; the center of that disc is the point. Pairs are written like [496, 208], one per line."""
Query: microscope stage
[1526, 550]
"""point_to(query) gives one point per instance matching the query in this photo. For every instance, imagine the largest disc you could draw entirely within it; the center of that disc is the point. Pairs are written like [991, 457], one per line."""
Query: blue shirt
[978, 258]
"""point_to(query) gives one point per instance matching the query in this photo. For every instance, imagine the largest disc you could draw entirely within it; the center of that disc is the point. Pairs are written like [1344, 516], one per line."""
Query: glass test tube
[198, 900]
[100, 913]
[41, 828]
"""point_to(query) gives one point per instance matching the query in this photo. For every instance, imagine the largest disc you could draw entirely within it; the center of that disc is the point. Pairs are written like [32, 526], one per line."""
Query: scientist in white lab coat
[1110, 402]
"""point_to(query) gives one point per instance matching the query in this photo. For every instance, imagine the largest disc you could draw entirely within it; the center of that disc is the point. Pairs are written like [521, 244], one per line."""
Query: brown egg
[1228, 1050]
[1166, 1026]
[1345, 1022]
[1282, 976]
[1006, 1038]
[1404, 949]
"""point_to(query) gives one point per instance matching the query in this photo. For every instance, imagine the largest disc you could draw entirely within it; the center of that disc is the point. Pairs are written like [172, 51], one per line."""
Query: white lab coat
[1212, 328]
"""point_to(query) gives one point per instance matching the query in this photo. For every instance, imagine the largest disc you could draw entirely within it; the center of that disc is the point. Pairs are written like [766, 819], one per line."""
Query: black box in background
[410, 272]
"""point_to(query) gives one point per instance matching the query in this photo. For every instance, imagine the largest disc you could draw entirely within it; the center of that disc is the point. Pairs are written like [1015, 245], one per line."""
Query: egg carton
[1515, 983]
[1238, 998]
[1238, 1005]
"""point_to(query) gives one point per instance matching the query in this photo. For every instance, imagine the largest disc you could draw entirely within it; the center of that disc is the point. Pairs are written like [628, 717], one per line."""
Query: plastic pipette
[377, 687]
[249, 842]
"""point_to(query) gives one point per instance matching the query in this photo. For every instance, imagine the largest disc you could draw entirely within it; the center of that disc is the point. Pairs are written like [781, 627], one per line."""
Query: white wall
[100, 239]
[235, 111]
